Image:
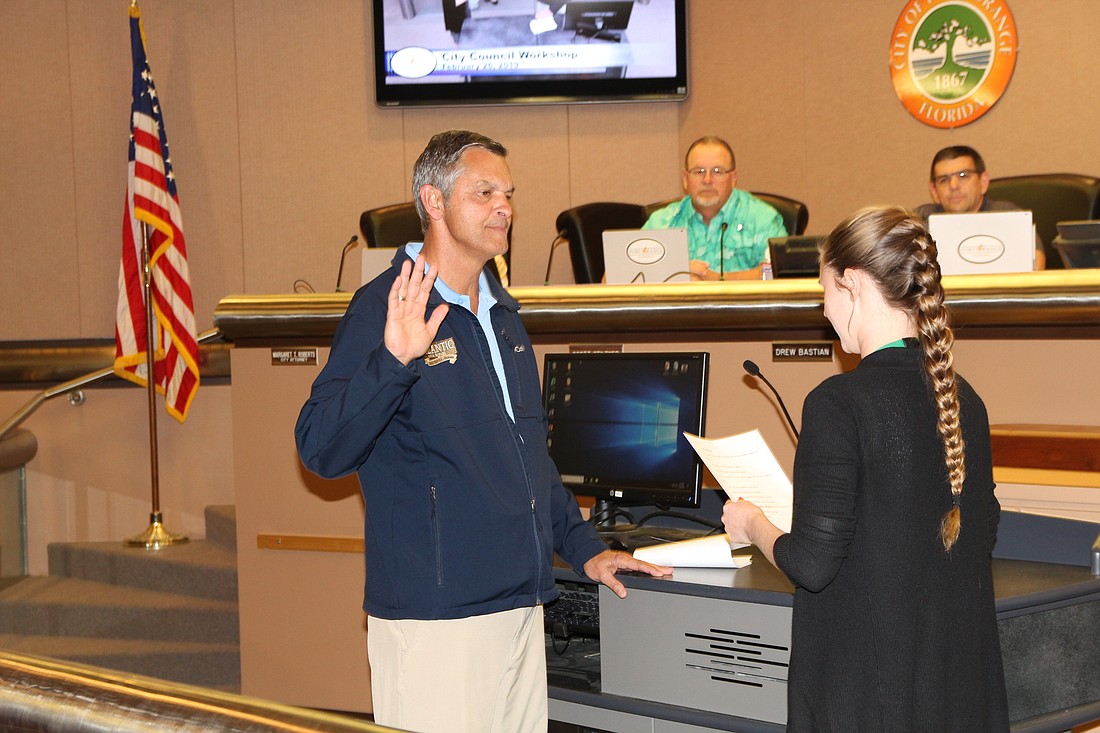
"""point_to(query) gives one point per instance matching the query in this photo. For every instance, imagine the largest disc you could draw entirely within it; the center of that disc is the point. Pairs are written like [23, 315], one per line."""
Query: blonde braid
[894, 247]
[936, 339]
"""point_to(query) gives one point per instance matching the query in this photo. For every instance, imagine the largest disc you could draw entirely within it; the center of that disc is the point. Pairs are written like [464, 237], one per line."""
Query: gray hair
[439, 165]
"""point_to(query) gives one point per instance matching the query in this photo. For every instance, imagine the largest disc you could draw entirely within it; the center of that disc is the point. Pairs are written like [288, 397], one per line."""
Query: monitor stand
[629, 536]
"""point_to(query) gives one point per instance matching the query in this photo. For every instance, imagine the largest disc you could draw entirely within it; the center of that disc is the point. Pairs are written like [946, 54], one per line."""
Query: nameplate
[294, 357]
[802, 351]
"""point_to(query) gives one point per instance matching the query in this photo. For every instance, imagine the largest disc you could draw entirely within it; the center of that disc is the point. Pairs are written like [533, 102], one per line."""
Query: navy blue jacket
[464, 507]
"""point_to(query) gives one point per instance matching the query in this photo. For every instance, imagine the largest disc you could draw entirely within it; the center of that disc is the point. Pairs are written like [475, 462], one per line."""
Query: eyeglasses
[960, 176]
[715, 171]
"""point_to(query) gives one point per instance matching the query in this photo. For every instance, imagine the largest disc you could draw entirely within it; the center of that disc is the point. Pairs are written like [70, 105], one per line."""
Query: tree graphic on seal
[952, 51]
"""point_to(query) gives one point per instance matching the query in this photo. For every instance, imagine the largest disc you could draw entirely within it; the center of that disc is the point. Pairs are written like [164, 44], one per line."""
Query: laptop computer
[794, 256]
[984, 242]
[646, 256]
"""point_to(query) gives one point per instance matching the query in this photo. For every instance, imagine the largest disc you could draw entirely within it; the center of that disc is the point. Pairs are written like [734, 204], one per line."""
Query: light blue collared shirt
[485, 301]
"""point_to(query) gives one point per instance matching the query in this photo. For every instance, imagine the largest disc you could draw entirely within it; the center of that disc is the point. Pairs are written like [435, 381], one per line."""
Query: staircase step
[74, 607]
[221, 525]
[193, 663]
[169, 613]
[206, 569]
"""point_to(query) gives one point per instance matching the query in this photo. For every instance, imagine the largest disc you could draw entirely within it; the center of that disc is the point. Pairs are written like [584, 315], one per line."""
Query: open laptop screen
[646, 256]
[984, 242]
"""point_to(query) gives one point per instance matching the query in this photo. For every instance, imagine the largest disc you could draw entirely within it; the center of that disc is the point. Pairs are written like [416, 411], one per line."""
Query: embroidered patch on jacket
[441, 351]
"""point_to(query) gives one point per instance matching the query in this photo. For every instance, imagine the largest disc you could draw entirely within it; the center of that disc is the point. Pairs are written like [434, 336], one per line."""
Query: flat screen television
[616, 423]
[468, 52]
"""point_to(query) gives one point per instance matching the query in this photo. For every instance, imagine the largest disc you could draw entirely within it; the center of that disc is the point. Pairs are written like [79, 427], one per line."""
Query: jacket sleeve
[354, 397]
[575, 540]
[826, 486]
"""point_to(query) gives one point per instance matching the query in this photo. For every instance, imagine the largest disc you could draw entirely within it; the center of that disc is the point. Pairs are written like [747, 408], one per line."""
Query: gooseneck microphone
[562, 237]
[722, 258]
[343, 256]
[754, 371]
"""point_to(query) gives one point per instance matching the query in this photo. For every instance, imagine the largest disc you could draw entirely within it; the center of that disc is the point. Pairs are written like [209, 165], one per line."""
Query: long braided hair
[893, 246]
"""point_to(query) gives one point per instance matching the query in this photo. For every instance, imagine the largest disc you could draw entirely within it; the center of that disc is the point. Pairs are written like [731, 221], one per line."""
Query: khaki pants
[482, 674]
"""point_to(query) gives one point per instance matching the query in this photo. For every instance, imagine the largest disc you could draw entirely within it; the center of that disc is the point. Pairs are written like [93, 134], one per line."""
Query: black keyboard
[576, 613]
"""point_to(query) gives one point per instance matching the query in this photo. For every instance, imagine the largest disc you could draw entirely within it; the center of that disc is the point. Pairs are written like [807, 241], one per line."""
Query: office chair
[584, 225]
[391, 226]
[650, 208]
[796, 215]
[1051, 197]
[398, 224]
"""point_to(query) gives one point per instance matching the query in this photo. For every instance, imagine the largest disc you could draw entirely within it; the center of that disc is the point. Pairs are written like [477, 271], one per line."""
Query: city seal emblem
[951, 61]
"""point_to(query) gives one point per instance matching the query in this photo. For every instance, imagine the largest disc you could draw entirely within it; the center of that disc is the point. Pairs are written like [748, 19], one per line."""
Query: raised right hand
[407, 334]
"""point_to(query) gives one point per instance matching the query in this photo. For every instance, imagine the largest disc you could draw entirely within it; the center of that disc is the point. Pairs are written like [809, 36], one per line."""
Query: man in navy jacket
[431, 394]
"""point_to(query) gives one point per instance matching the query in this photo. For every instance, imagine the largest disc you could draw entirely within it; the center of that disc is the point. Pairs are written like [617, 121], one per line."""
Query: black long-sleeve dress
[890, 632]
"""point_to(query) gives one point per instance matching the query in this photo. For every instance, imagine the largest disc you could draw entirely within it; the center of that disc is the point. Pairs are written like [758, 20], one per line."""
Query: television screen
[464, 52]
[616, 424]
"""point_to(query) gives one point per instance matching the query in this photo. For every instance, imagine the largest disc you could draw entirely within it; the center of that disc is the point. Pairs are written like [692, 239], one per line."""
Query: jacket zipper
[438, 541]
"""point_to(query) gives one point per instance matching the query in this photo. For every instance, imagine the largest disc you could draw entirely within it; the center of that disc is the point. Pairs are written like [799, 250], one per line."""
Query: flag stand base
[155, 536]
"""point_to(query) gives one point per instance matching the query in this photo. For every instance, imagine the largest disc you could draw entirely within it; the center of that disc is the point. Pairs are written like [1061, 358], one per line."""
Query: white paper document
[745, 467]
[712, 551]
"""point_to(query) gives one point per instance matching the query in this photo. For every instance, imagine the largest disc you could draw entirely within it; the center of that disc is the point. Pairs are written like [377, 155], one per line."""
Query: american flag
[151, 199]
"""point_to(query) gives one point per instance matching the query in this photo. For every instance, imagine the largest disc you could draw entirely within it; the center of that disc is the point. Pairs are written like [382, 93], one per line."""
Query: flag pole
[155, 535]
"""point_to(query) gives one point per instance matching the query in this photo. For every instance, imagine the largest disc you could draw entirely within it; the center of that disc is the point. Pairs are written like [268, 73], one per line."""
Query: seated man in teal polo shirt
[728, 229]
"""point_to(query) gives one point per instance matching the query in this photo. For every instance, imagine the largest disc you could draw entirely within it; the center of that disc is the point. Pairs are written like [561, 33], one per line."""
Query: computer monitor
[794, 256]
[616, 423]
[603, 19]
[1078, 243]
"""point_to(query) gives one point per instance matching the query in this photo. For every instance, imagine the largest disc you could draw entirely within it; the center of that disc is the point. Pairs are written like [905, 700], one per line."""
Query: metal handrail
[65, 387]
[52, 696]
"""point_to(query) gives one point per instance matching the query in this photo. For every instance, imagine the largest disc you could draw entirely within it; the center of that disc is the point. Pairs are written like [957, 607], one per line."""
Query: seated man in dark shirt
[958, 184]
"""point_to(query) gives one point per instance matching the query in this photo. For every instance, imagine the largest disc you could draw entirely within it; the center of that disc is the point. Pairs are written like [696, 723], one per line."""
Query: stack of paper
[712, 551]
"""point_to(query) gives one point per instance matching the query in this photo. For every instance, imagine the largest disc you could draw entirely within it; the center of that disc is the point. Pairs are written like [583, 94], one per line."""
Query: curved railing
[71, 385]
[48, 696]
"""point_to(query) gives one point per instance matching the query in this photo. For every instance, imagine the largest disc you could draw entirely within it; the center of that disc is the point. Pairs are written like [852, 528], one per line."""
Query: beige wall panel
[623, 152]
[301, 612]
[99, 46]
[1049, 118]
[1032, 381]
[314, 150]
[539, 156]
[38, 242]
[304, 640]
